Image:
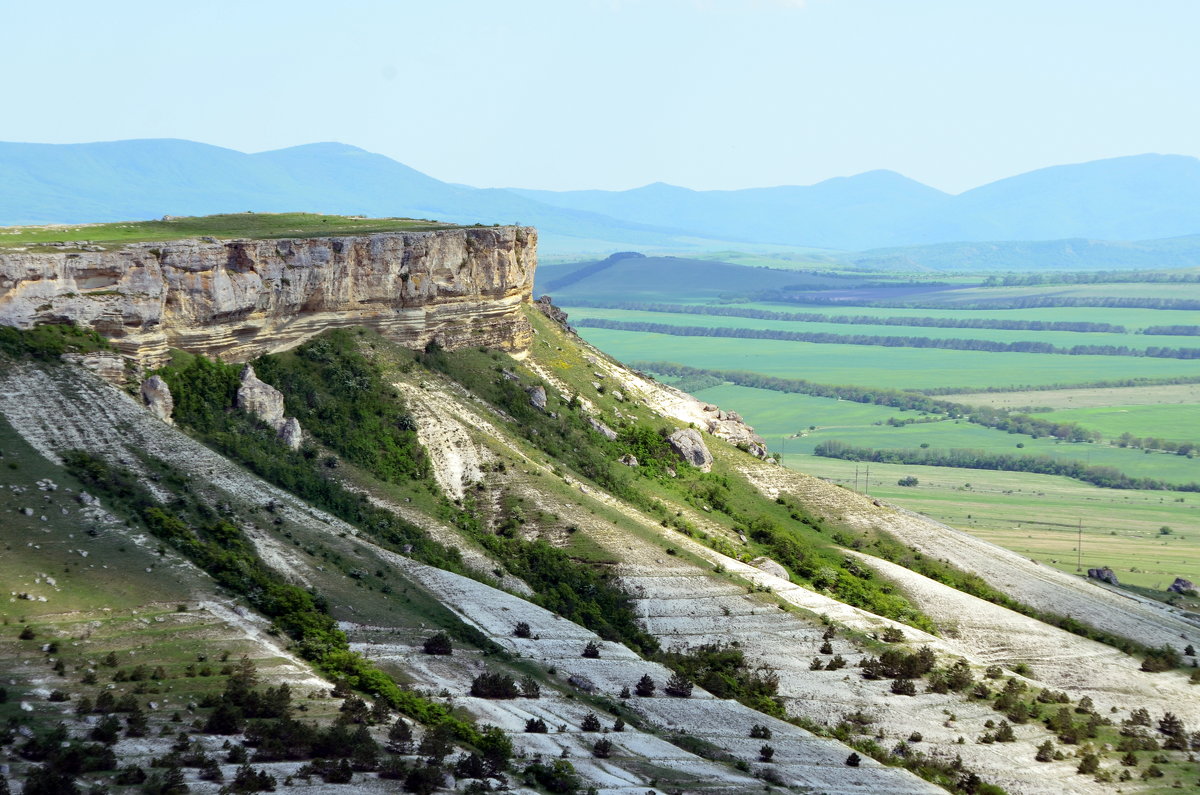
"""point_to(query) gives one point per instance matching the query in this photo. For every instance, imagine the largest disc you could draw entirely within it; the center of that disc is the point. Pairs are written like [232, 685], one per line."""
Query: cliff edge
[239, 299]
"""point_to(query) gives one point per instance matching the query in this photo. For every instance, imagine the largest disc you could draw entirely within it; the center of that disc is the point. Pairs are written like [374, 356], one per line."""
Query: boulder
[1104, 574]
[770, 567]
[291, 434]
[628, 460]
[537, 397]
[1181, 585]
[688, 445]
[157, 397]
[260, 399]
[602, 429]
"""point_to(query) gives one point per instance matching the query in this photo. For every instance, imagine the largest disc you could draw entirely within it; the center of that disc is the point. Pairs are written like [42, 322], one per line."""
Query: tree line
[1017, 302]
[862, 320]
[952, 343]
[1091, 277]
[1178, 331]
[909, 401]
[1103, 476]
[1105, 384]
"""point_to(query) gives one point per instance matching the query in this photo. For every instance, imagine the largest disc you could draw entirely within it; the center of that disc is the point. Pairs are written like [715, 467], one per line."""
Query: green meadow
[871, 365]
[1062, 339]
[779, 417]
[1039, 516]
[1180, 423]
[234, 225]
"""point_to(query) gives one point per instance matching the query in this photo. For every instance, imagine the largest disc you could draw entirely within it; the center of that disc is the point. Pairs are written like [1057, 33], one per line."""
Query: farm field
[1062, 339]
[1039, 515]
[871, 365]
[1179, 422]
[776, 415]
[1164, 394]
[1132, 318]
[1035, 515]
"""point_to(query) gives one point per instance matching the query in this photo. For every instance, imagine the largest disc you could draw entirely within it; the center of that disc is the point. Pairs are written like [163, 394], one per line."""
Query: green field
[238, 225]
[1062, 339]
[1179, 423]
[1036, 515]
[870, 365]
[1162, 394]
[1133, 319]
[1039, 515]
[777, 415]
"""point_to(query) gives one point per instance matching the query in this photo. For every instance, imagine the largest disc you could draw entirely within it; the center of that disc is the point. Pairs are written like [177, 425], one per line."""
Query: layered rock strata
[239, 299]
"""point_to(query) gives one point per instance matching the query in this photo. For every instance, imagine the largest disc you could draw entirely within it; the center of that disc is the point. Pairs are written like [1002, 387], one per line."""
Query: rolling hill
[1128, 198]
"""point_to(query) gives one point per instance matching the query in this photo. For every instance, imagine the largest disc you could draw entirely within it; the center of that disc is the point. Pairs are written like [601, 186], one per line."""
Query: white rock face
[260, 399]
[242, 298]
[602, 429]
[291, 434]
[770, 567]
[689, 445]
[537, 397]
[157, 397]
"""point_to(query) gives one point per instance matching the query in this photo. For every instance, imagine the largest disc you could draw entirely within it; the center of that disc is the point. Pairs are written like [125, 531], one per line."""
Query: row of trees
[860, 320]
[1014, 302]
[950, 343]
[1105, 477]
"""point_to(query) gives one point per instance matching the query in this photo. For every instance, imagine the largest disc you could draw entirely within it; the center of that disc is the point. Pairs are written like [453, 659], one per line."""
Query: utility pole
[856, 476]
[783, 450]
[867, 482]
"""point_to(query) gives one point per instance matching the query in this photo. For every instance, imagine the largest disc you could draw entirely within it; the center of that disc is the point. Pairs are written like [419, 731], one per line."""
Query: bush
[854, 760]
[679, 686]
[591, 650]
[645, 686]
[907, 481]
[603, 748]
[522, 630]
[494, 685]
[438, 644]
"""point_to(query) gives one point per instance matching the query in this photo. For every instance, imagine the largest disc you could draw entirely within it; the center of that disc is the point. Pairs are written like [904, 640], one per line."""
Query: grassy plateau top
[230, 226]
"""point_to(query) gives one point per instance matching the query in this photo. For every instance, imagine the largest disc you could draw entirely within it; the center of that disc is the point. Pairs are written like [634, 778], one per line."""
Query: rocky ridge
[239, 299]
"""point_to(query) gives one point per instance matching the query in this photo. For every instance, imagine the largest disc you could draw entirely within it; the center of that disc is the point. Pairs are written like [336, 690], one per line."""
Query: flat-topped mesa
[242, 298]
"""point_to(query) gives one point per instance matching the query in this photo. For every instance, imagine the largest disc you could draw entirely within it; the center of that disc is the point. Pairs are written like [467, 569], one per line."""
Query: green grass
[234, 225]
[1085, 397]
[776, 415]
[901, 368]
[1062, 339]
[1132, 319]
[1175, 422]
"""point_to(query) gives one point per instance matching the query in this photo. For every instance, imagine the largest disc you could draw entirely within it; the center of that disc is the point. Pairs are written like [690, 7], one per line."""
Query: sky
[613, 94]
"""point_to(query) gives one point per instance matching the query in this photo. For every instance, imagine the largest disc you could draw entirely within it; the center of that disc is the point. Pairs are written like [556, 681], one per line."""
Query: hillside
[481, 495]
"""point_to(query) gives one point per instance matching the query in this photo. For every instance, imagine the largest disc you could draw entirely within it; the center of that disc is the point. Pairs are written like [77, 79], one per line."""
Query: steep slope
[522, 470]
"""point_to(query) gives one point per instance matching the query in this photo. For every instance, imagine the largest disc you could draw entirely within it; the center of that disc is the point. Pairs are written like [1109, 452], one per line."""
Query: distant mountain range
[1129, 198]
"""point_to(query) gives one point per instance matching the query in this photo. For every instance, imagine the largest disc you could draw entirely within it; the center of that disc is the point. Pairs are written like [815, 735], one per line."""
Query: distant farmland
[1145, 397]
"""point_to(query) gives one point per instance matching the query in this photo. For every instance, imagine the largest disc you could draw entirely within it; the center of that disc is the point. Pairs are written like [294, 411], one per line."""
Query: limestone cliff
[239, 299]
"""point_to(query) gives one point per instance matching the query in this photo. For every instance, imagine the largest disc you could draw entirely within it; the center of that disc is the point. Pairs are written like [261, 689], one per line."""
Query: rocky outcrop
[771, 567]
[242, 298]
[689, 445]
[157, 397]
[537, 397]
[730, 426]
[547, 308]
[602, 429]
[291, 434]
[1182, 586]
[1104, 574]
[629, 460]
[257, 397]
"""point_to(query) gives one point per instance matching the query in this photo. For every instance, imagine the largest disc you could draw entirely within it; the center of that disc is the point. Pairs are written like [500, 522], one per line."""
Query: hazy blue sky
[618, 93]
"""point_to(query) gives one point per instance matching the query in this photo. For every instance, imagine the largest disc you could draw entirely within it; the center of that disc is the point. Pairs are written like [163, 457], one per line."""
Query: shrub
[854, 760]
[603, 748]
[679, 686]
[760, 732]
[590, 723]
[536, 726]
[645, 686]
[494, 685]
[438, 644]
[591, 650]
[522, 630]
